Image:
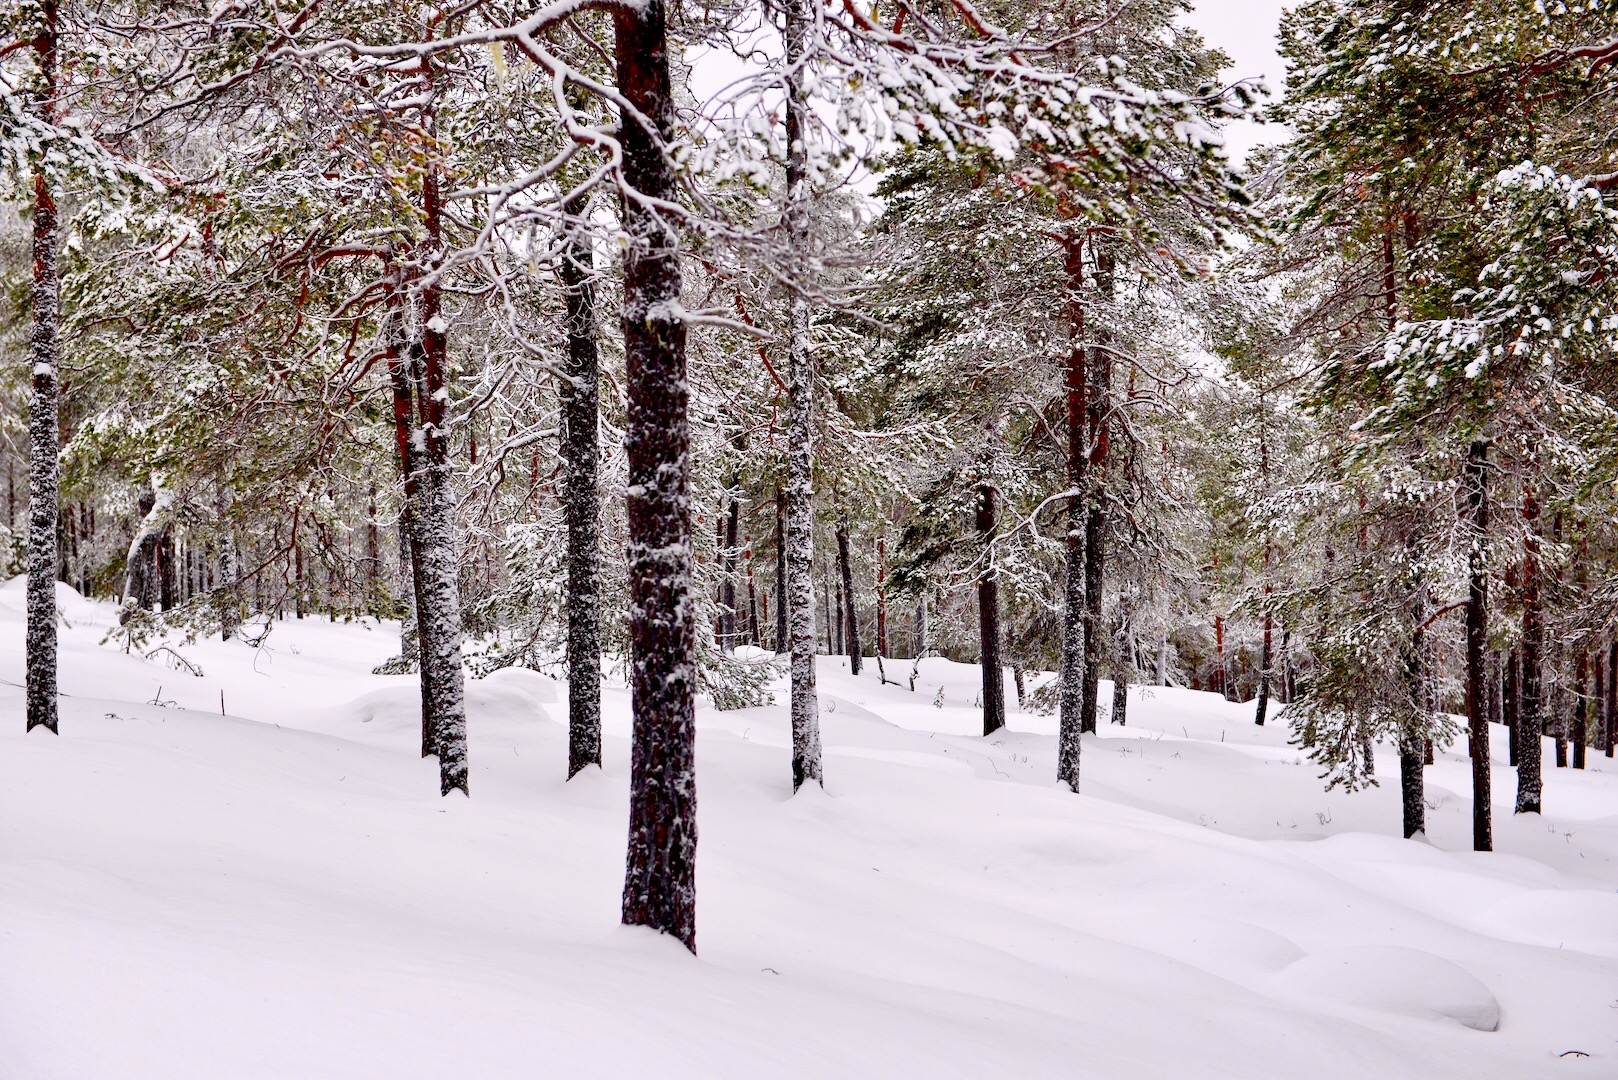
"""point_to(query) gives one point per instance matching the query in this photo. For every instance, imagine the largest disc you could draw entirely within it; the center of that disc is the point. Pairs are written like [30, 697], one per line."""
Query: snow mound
[73, 606]
[1391, 978]
[1557, 918]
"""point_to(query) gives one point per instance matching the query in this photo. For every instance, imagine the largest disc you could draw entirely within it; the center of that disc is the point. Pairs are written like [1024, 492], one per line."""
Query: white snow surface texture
[280, 892]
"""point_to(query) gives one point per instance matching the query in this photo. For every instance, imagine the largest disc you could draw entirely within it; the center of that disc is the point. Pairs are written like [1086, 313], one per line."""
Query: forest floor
[280, 892]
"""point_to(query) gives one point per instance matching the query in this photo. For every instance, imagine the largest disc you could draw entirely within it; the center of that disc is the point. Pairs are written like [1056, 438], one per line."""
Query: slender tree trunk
[856, 653]
[1477, 624]
[1533, 644]
[1581, 677]
[1076, 369]
[754, 631]
[432, 517]
[409, 632]
[921, 640]
[1512, 701]
[1219, 654]
[580, 390]
[141, 569]
[994, 692]
[1123, 664]
[881, 596]
[43, 422]
[799, 501]
[1610, 736]
[840, 631]
[730, 539]
[1264, 669]
[414, 629]
[783, 639]
[1599, 693]
[373, 548]
[660, 872]
[1098, 407]
[833, 630]
[1412, 733]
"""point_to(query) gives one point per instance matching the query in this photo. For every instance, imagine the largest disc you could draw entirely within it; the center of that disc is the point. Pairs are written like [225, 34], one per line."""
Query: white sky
[1245, 30]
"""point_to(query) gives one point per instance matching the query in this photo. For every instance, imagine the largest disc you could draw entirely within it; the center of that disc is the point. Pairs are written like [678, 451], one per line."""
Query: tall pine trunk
[783, 640]
[660, 871]
[1477, 625]
[994, 690]
[730, 538]
[799, 601]
[1265, 656]
[580, 389]
[1581, 701]
[1529, 750]
[845, 572]
[881, 597]
[1098, 407]
[1412, 731]
[1123, 664]
[1598, 693]
[1511, 701]
[1610, 727]
[1076, 372]
[44, 489]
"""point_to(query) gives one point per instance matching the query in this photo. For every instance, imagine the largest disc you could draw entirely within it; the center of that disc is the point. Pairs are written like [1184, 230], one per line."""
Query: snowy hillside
[279, 891]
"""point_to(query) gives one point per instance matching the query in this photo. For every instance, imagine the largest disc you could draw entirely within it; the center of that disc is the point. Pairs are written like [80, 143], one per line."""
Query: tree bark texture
[994, 690]
[44, 482]
[580, 389]
[1076, 380]
[1477, 624]
[660, 871]
[1529, 751]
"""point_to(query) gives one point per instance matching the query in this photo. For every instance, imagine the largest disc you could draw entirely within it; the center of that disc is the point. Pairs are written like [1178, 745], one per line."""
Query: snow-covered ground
[279, 891]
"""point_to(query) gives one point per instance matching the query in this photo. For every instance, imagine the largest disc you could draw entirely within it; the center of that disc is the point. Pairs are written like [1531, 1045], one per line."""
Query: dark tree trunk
[856, 654]
[1219, 655]
[833, 627]
[1610, 697]
[881, 596]
[1076, 370]
[168, 582]
[754, 629]
[432, 515]
[660, 873]
[373, 549]
[730, 537]
[840, 634]
[920, 642]
[1533, 645]
[1410, 784]
[580, 390]
[1477, 624]
[414, 629]
[1264, 670]
[994, 692]
[1599, 695]
[1412, 734]
[783, 640]
[227, 590]
[1581, 676]
[798, 506]
[141, 573]
[1610, 736]
[43, 478]
[1120, 683]
[1098, 406]
[1269, 583]
[1511, 701]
